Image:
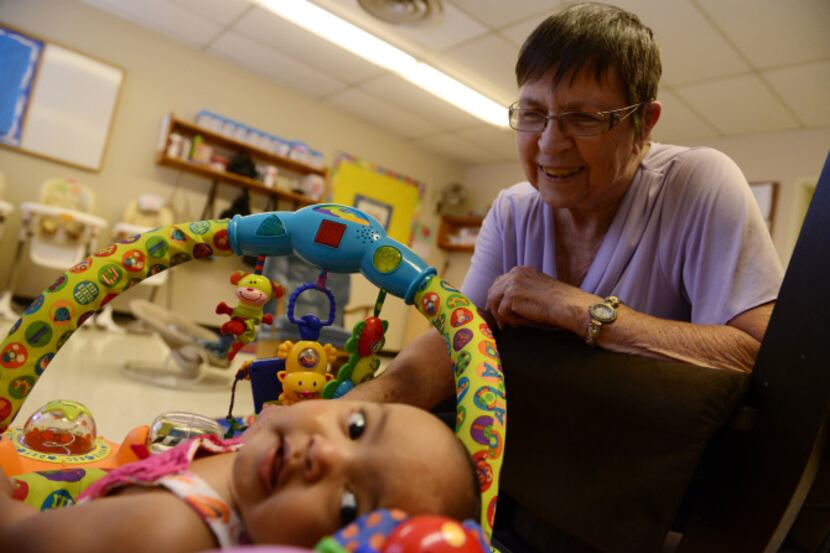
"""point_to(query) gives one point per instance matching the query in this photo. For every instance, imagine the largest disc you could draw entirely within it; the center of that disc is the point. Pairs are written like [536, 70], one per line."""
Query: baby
[304, 472]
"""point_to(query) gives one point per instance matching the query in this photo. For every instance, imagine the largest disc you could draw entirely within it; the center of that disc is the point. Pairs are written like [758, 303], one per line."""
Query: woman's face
[579, 172]
[311, 468]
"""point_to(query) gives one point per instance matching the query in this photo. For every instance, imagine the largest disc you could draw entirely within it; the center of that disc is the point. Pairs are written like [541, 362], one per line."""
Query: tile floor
[88, 369]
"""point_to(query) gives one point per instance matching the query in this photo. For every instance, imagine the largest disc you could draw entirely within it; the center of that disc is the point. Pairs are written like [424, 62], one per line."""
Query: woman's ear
[651, 114]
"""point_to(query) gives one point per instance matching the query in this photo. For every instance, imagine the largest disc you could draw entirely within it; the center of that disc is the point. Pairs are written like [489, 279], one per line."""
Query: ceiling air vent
[404, 12]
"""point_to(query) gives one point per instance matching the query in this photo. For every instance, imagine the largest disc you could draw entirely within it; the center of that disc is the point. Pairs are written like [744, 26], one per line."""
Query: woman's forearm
[716, 346]
[12, 512]
[420, 375]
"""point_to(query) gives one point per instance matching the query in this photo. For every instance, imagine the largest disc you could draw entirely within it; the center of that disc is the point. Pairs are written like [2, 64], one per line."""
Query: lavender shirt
[688, 241]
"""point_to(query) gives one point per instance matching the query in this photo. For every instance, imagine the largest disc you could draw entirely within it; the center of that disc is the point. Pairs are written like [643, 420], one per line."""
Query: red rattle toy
[433, 534]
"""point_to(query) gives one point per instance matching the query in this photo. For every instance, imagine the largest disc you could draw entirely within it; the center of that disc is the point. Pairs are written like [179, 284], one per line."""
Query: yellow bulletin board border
[393, 199]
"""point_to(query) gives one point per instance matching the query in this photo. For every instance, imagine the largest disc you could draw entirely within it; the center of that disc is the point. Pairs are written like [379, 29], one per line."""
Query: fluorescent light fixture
[369, 47]
[459, 95]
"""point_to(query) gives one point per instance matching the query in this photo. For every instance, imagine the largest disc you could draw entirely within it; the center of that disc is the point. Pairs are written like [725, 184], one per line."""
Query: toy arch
[333, 237]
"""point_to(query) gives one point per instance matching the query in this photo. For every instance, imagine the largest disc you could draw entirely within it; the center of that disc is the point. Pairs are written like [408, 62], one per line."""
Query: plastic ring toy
[332, 237]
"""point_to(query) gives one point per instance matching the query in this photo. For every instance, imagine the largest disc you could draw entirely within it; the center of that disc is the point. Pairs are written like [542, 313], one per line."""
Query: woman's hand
[6, 484]
[526, 296]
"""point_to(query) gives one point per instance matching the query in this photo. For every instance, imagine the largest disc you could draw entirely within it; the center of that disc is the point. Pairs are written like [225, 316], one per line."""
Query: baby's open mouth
[272, 465]
[559, 172]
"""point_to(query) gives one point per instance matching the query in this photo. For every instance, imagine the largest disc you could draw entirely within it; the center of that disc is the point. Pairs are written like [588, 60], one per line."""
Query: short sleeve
[487, 262]
[726, 260]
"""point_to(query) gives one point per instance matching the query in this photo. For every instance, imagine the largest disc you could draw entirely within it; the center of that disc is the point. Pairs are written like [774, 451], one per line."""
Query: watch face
[603, 312]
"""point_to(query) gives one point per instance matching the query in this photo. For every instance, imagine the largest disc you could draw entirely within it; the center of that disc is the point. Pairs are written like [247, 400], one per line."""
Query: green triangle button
[271, 226]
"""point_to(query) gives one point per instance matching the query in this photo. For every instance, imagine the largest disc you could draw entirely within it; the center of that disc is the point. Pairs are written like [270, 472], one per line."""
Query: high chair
[146, 212]
[59, 229]
[5, 207]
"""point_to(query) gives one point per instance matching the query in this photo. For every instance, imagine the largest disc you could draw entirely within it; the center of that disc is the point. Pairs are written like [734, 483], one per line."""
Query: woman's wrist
[577, 316]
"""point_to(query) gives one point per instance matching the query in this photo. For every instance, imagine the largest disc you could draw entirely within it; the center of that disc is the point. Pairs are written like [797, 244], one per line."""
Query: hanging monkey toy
[253, 290]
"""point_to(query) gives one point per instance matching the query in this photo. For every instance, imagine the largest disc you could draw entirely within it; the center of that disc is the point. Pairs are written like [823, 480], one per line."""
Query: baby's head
[312, 468]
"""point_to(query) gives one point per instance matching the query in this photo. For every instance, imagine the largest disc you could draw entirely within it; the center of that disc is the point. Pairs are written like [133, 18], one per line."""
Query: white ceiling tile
[774, 32]
[278, 67]
[491, 60]
[498, 13]
[382, 114]
[691, 48]
[455, 148]
[518, 32]
[738, 105]
[454, 28]
[680, 125]
[409, 97]
[281, 35]
[163, 17]
[806, 89]
[223, 12]
[501, 142]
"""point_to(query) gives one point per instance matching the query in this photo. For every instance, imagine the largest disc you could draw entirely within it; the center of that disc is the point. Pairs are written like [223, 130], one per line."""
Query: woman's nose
[553, 137]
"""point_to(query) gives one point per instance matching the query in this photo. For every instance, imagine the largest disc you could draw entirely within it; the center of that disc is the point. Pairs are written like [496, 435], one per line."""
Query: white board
[71, 108]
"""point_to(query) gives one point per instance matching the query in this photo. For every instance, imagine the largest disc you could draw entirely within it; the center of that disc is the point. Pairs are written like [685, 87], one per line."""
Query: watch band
[595, 325]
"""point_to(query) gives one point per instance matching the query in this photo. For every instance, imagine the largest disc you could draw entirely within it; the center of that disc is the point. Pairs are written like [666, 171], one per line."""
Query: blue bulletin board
[19, 56]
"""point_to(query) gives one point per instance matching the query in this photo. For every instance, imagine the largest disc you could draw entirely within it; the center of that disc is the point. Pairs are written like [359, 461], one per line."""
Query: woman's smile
[560, 173]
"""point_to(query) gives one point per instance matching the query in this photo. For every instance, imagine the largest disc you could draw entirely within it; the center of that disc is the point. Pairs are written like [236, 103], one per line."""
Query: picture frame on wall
[766, 194]
[381, 211]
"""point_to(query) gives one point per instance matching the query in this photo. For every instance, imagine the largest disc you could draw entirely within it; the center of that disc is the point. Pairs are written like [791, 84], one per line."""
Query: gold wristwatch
[604, 312]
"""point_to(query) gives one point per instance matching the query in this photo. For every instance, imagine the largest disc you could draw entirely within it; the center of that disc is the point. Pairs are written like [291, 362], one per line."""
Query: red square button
[330, 233]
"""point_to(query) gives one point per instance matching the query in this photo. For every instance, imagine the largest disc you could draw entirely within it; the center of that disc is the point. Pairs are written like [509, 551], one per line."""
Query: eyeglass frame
[605, 115]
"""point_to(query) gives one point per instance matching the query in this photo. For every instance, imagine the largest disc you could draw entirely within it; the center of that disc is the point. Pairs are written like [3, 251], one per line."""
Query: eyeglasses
[573, 123]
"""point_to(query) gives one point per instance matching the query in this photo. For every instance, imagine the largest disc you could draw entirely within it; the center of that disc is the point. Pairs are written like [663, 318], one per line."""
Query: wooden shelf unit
[451, 225]
[188, 130]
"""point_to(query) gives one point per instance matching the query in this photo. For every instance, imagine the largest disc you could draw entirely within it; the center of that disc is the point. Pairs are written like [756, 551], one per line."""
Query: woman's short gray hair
[597, 37]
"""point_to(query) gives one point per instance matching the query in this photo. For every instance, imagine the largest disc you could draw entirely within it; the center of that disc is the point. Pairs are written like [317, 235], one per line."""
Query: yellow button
[387, 259]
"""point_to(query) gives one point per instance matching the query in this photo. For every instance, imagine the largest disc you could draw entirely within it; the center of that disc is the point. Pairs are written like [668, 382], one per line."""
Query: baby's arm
[136, 521]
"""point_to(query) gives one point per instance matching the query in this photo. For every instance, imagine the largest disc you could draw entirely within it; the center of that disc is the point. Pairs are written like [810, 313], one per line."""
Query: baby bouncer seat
[144, 213]
[59, 229]
[188, 364]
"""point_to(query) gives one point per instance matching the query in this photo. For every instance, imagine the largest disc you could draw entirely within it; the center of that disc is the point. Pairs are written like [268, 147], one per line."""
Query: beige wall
[163, 76]
[790, 158]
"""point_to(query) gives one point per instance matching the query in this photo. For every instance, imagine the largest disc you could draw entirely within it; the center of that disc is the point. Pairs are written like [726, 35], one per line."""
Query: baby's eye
[356, 425]
[348, 508]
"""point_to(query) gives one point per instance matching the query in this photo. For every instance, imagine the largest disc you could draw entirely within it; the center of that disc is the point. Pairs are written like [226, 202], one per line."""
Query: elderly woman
[635, 246]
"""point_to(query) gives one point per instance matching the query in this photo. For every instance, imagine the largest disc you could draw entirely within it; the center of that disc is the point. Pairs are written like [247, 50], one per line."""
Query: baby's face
[314, 467]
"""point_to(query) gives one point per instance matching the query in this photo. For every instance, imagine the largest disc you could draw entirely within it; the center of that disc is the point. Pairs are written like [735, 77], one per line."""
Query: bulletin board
[391, 198]
[55, 103]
